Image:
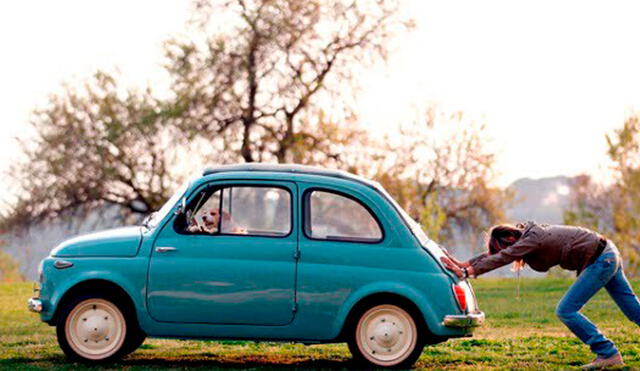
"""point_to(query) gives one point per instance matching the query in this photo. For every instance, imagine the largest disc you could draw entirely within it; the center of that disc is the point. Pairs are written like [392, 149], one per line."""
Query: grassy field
[519, 334]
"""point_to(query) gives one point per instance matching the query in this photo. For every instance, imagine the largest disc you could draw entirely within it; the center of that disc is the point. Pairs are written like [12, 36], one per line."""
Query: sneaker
[600, 363]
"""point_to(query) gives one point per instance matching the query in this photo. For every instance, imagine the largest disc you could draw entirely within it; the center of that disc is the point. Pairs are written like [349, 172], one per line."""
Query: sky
[548, 78]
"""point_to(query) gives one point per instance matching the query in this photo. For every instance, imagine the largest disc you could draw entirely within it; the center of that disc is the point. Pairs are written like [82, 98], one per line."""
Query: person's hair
[502, 236]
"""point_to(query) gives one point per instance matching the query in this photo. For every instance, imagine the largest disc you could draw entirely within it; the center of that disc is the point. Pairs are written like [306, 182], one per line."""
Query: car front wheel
[386, 336]
[93, 329]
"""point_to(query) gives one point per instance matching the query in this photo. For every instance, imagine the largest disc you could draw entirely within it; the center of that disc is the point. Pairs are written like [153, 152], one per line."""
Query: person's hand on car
[450, 265]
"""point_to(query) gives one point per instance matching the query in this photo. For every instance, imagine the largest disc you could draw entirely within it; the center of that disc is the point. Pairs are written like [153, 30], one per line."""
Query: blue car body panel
[122, 242]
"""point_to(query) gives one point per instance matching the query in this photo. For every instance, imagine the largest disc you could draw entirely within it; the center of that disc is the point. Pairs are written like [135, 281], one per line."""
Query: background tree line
[613, 206]
[278, 81]
[256, 80]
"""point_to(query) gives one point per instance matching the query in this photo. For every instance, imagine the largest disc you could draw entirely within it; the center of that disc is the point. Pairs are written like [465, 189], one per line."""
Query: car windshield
[154, 218]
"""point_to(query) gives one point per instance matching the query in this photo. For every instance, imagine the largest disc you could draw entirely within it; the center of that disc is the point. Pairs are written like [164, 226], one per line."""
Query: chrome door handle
[165, 248]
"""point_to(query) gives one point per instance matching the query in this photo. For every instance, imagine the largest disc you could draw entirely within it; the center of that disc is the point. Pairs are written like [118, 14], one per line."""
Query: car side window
[240, 210]
[261, 211]
[332, 216]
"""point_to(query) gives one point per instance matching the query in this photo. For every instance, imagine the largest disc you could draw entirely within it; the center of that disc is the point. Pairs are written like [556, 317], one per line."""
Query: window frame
[213, 188]
[306, 217]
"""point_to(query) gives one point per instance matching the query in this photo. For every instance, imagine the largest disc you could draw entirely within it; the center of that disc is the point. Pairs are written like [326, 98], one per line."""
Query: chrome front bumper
[34, 305]
[464, 320]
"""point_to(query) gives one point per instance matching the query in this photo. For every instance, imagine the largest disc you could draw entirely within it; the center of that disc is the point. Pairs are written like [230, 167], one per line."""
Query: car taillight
[461, 298]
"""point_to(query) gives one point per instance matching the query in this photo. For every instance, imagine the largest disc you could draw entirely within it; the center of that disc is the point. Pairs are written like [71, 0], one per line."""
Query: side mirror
[182, 207]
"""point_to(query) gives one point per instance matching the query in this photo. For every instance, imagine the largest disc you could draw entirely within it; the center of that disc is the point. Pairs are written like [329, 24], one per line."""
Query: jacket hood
[117, 242]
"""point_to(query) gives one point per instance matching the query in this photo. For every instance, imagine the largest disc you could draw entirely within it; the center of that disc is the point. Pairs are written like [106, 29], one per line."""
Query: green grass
[519, 334]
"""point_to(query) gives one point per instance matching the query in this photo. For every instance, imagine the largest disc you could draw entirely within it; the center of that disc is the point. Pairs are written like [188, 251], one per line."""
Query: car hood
[111, 242]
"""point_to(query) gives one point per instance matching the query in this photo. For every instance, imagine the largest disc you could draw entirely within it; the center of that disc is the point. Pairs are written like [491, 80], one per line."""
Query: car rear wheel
[95, 329]
[133, 341]
[386, 336]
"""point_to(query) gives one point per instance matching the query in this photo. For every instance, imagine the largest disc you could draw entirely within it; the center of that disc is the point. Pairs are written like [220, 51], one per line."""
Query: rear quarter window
[333, 216]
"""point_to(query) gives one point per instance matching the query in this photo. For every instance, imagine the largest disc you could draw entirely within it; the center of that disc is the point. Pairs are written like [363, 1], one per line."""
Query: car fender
[387, 287]
[78, 276]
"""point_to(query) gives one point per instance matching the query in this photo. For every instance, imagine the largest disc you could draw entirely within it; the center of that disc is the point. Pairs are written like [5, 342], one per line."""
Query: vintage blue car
[259, 252]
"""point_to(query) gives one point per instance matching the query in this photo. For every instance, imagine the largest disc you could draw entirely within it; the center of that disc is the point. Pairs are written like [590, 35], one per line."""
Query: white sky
[548, 78]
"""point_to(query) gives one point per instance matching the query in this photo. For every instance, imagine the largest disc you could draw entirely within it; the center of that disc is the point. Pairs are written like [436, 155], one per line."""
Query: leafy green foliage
[624, 151]
[433, 217]
[614, 209]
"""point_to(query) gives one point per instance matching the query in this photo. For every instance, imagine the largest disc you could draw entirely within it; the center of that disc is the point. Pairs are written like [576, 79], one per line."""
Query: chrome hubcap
[95, 329]
[386, 335]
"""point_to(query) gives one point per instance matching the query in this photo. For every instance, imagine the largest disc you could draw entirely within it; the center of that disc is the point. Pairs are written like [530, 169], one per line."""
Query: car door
[242, 271]
[342, 248]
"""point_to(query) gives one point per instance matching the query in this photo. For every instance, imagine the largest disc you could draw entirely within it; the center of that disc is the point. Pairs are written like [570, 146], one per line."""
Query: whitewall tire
[95, 328]
[386, 335]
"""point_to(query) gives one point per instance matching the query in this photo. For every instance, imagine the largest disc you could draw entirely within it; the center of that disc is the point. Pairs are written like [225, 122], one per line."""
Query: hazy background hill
[542, 200]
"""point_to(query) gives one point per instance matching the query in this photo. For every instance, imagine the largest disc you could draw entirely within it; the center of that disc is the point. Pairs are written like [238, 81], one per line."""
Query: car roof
[288, 169]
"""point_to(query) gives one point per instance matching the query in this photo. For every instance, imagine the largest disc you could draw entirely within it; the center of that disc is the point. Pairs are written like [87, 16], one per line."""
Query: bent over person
[595, 258]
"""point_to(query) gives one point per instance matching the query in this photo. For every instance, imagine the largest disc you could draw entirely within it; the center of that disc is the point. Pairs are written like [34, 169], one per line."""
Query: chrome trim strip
[62, 264]
[464, 320]
[165, 248]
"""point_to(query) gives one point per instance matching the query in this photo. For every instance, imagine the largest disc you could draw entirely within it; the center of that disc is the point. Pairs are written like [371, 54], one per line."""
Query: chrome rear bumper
[464, 320]
[34, 305]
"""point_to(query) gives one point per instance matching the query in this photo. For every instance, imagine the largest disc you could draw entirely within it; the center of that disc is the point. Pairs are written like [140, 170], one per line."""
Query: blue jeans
[605, 272]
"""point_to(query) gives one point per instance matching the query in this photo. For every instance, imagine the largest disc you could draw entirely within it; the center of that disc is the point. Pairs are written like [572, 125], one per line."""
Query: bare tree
[91, 145]
[440, 171]
[263, 82]
[266, 80]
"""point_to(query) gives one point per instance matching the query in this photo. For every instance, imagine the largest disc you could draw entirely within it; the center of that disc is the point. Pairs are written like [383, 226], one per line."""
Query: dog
[210, 221]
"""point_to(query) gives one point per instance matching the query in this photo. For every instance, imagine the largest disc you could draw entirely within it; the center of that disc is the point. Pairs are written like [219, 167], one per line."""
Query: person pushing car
[596, 260]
